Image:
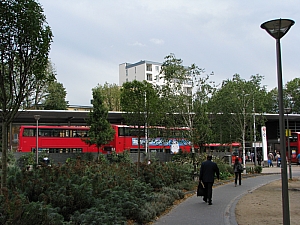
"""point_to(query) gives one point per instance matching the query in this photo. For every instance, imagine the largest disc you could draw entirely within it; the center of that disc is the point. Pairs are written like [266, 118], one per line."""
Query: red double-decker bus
[294, 146]
[70, 139]
[160, 139]
[54, 139]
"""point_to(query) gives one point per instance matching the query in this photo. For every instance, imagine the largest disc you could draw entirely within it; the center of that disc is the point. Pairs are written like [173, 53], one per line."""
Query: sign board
[264, 143]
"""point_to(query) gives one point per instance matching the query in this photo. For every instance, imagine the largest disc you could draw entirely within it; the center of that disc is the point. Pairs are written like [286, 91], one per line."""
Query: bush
[97, 192]
[257, 169]
[26, 159]
[252, 170]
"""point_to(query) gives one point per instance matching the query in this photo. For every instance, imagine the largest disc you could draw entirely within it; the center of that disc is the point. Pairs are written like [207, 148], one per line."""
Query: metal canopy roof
[67, 117]
[61, 117]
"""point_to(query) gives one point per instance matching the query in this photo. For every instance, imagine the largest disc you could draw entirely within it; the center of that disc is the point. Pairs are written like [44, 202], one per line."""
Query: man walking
[207, 176]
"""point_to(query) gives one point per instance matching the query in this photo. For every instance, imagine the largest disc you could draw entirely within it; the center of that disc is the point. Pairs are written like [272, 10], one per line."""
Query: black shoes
[209, 202]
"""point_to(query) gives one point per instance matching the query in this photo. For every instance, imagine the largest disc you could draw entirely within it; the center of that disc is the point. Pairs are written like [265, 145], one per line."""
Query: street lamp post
[37, 117]
[287, 111]
[254, 137]
[277, 29]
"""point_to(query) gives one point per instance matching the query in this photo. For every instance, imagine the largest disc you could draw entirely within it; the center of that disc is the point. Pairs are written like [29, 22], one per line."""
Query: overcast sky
[92, 37]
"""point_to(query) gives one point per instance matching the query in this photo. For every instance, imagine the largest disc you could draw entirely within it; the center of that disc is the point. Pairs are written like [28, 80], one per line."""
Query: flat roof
[68, 117]
[60, 117]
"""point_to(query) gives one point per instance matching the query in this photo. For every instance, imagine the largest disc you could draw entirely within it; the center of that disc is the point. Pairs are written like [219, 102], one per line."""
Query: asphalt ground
[225, 197]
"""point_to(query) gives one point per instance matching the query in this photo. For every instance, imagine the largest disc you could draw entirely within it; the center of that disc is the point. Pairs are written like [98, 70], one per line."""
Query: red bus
[234, 149]
[54, 139]
[294, 146]
[160, 139]
[67, 139]
[218, 147]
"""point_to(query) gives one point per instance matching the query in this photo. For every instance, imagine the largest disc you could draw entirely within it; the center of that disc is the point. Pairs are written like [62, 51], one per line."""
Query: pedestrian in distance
[208, 170]
[270, 159]
[278, 159]
[238, 169]
[298, 158]
[259, 158]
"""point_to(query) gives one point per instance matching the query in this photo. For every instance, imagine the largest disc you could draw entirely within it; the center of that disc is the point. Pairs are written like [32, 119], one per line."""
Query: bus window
[56, 133]
[29, 132]
[82, 133]
[46, 132]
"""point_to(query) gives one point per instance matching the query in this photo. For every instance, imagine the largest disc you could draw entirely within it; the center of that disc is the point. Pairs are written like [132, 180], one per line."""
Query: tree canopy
[55, 97]
[185, 95]
[111, 96]
[25, 41]
[100, 132]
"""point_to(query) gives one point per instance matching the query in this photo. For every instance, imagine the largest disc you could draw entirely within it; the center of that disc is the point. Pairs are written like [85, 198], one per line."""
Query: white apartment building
[144, 70]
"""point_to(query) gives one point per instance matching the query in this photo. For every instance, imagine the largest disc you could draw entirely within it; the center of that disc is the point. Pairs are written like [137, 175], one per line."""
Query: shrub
[258, 169]
[103, 192]
[26, 159]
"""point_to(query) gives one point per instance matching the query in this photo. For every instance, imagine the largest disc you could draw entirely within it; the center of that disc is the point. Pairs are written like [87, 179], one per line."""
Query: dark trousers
[238, 174]
[208, 191]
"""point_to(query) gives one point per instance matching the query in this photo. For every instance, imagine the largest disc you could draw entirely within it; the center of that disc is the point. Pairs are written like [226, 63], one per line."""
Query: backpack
[240, 168]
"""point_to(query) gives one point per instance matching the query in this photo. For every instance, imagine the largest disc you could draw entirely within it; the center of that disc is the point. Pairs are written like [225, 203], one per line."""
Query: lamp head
[287, 110]
[37, 117]
[277, 28]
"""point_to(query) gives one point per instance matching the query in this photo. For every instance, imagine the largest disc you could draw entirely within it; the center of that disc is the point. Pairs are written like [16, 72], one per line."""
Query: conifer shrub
[93, 192]
[164, 199]
[147, 213]
[97, 216]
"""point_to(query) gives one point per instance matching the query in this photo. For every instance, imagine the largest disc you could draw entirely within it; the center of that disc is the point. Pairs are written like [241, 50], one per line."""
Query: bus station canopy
[60, 117]
[78, 118]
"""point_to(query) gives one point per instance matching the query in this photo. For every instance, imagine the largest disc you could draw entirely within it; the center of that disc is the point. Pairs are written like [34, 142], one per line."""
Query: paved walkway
[225, 197]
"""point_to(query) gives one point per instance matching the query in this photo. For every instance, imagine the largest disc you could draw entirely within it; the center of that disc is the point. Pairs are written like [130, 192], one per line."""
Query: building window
[149, 76]
[126, 73]
[157, 78]
[149, 67]
[134, 69]
[188, 90]
[157, 68]
[126, 79]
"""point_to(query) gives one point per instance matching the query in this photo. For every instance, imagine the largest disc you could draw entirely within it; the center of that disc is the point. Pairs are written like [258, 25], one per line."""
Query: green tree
[185, 95]
[55, 97]
[111, 96]
[292, 95]
[233, 106]
[25, 44]
[140, 102]
[100, 132]
[174, 75]
[38, 94]
[272, 101]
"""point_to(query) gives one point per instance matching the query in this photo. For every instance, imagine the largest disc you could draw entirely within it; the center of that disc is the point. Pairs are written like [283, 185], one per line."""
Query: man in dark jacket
[207, 176]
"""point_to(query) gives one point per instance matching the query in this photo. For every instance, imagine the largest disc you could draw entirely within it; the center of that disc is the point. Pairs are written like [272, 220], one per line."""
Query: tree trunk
[4, 155]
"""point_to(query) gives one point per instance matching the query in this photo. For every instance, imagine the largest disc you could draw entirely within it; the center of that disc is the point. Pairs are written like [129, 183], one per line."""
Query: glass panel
[29, 132]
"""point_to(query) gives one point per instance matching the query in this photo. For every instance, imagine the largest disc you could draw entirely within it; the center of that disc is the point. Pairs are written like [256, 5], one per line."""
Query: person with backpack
[278, 159]
[238, 169]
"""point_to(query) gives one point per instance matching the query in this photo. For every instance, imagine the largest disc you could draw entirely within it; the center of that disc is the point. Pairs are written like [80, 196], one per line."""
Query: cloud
[157, 41]
[91, 38]
[137, 44]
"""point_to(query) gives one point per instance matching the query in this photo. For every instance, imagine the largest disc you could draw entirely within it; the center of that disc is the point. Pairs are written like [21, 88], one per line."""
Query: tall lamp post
[37, 117]
[277, 29]
[254, 137]
[287, 111]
